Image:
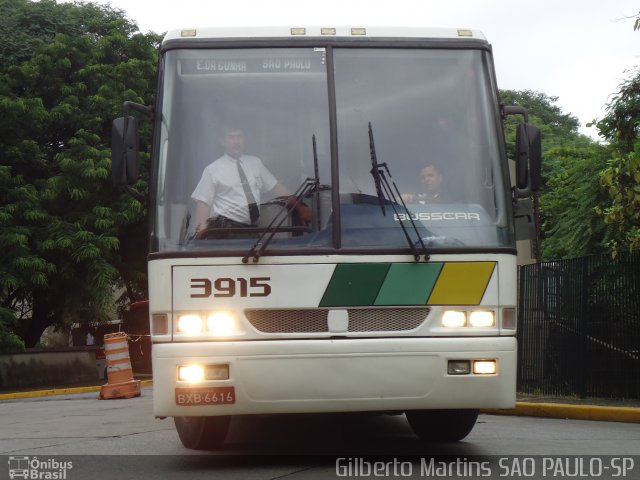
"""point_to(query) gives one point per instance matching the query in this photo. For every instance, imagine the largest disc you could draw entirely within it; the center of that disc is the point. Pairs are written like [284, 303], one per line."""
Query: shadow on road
[344, 434]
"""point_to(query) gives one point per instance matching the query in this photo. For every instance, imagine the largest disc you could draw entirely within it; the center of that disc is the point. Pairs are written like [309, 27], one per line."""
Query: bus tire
[202, 433]
[442, 425]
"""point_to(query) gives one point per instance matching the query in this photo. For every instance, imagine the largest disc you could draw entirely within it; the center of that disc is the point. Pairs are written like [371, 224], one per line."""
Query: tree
[571, 191]
[621, 177]
[571, 201]
[556, 126]
[622, 120]
[63, 227]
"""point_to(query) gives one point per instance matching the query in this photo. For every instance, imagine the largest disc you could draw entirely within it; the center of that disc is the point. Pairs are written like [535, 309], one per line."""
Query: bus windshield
[241, 130]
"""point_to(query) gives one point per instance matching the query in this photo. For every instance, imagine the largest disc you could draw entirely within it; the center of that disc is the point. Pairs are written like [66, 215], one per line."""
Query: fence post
[582, 331]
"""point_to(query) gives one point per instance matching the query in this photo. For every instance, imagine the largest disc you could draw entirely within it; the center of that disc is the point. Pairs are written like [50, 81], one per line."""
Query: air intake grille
[288, 321]
[315, 320]
[386, 319]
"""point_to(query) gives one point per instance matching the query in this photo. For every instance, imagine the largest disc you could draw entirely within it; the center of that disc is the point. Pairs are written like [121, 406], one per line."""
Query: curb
[569, 411]
[60, 391]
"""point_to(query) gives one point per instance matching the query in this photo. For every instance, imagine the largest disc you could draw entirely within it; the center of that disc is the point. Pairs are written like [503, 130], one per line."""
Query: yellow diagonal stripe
[461, 283]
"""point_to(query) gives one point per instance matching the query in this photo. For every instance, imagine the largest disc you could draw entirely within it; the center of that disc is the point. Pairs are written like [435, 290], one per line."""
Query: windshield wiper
[316, 191]
[376, 170]
[309, 186]
[386, 194]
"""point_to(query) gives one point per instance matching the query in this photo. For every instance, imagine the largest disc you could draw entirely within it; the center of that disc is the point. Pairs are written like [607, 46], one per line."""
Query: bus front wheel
[202, 433]
[442, 425]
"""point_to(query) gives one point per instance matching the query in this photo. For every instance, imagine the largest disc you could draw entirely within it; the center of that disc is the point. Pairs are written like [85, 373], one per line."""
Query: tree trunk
[48, 309]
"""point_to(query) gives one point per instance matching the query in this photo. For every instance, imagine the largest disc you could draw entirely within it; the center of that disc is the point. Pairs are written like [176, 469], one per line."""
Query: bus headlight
[482, 319]
[474, 318]
[454, 318]
[215, 323]
[222, 323]
[190, 324]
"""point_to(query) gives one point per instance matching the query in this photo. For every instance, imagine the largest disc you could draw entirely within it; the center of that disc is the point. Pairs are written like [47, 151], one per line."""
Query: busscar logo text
[437, 216]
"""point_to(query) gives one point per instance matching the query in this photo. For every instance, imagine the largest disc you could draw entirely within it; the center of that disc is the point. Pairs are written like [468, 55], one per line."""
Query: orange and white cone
[120, 381]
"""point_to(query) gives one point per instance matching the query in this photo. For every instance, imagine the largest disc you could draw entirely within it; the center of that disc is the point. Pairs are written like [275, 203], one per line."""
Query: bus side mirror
[528, 160]
[124, 150]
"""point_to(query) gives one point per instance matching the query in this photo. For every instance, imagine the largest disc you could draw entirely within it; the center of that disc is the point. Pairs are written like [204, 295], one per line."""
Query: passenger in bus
[433, 191]
[231, 187]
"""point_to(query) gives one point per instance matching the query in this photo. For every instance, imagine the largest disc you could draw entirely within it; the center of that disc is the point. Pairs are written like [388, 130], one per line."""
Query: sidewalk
[526, 405]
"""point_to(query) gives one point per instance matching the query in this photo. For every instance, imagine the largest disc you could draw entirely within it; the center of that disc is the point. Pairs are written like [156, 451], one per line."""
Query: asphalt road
[121, 439]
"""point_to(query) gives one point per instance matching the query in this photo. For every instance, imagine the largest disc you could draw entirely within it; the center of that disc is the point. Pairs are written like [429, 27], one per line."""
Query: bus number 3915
[230, 287]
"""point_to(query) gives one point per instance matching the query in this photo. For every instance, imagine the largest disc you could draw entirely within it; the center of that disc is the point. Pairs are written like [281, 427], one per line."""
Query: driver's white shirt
[220, 186]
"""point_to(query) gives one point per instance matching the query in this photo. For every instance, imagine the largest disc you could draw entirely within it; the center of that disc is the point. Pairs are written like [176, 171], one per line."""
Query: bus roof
[328, 31]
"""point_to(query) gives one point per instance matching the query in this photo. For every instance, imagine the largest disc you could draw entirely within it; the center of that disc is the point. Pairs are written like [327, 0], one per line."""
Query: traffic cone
[120, 381]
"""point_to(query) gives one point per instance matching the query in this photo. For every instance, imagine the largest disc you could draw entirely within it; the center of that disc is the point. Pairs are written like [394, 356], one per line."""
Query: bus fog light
[222, 323]
[216, 372]
[191, 373]
[190, 323]
[459, 367]
[485, 367]
[482, 319]
[454, 318]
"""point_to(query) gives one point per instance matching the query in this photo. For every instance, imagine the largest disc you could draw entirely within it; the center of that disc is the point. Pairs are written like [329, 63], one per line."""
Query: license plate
[205, 396]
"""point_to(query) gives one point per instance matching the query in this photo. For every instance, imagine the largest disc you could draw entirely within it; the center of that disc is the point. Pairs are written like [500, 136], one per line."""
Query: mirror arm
[140, 197]
[515, 110]
[148, 111]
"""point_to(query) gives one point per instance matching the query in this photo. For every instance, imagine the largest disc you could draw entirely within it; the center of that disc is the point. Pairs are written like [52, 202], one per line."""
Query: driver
[231, 187]
[431, 181]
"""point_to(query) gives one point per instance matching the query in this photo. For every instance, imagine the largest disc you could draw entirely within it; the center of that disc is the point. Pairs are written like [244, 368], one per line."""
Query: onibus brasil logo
[34, 468]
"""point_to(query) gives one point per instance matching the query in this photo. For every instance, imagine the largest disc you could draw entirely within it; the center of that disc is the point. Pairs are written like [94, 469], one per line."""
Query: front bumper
[339, 375]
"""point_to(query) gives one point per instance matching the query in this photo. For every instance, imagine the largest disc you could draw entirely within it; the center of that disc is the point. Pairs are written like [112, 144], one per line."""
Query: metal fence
[579, 327]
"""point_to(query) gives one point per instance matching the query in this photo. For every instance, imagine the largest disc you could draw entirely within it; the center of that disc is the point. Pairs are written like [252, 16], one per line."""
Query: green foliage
[571, 191]
[26, 26]
[621, 123]
[590, 202]
[64, 247]
[621, 177]
[557, 128]
[543, 108]
[572, 197]
[9, 341]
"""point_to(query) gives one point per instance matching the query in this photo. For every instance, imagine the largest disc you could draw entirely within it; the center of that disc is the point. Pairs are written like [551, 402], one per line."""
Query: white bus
[380, 300]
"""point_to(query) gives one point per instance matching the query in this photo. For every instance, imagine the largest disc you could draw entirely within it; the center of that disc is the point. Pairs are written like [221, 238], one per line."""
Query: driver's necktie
[254, 213]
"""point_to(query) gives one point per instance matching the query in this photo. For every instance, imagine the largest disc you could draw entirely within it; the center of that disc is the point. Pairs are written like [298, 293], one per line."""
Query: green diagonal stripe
[354, 284]
[409, 284]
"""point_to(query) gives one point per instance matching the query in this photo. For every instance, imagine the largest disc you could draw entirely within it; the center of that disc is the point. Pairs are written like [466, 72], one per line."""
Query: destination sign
[267, 64]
